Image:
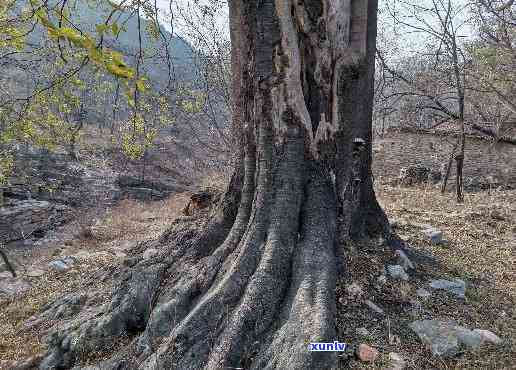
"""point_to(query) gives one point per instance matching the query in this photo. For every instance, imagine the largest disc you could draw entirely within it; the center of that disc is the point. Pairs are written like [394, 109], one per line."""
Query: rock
[125, 245]
[423, 293]
[445, 338]
[22, 218]
[198, 201]
[396, 361]
[30, 363]
[415, 174]
[488, 336]
[82, 255]
[363, 332]
[5, 275]
[63, 264]
[397, 272]
[373, 307]
[13, 286]
[354, 289]
[120, 255]
[59, 266]
[404, 261]
[149, 253]
[367, 353]
[148, 216]
[468, 338]
[144, 194]
[36, 273]
[435, 236]
[6, 364]
[457, 287]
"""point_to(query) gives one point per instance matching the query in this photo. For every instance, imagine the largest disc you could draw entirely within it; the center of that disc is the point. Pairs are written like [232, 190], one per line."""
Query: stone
[13, 286]
[120, 255]
[5, 275]
[488, 336]
[423, 293]
[374, 307]
[445, 338]
[149, 253]
[147, 216]
[457, 287]
[30, 363]
[468, 338]
[63, 264]
[363, 332]
[367, 353]
[396, 361]
[125, 245]
[435, 236]
[354, 289]
[144, 194]
[404, 261]
[20, 219]
[82, 255]
[414, 174]
[7, 364]
[397, 272]
[35, 273]
[59, 266]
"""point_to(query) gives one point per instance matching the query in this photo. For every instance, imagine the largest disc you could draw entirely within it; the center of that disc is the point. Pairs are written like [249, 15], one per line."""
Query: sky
[185, 7]
[408, 42]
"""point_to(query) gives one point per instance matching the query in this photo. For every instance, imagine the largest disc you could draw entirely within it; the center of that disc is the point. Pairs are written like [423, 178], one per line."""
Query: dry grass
[481, 250]
[18, 342]
[125, 224]
[135, 220]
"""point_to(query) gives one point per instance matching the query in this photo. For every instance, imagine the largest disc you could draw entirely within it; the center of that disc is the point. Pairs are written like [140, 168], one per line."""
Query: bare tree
[441, 88]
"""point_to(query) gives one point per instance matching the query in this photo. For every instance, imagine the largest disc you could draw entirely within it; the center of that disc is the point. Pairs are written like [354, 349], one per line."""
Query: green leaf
[101, 28]
[115, 29]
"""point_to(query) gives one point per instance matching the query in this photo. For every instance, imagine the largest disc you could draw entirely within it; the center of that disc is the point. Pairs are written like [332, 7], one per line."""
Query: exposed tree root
[252, 299]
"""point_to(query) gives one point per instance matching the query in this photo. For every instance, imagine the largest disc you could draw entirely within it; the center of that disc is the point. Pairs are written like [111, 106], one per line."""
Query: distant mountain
[86, 15]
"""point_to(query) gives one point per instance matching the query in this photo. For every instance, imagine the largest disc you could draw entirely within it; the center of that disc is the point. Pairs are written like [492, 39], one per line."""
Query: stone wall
[485, 162]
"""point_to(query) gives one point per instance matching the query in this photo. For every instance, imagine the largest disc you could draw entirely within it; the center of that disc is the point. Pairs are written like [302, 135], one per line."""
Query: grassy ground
[481, 250]
[124, 225]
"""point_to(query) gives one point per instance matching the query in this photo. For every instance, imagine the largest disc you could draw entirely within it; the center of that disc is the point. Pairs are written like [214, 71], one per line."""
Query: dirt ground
[481, 250]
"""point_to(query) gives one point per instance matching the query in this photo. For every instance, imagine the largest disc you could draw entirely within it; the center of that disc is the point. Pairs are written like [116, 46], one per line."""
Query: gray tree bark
[255, 284]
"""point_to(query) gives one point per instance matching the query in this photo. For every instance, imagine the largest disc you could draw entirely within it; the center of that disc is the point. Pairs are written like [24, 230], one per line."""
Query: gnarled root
[251, 296]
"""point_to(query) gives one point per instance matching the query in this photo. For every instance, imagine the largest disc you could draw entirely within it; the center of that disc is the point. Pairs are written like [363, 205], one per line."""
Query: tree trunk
[254, 285]
[459, 159]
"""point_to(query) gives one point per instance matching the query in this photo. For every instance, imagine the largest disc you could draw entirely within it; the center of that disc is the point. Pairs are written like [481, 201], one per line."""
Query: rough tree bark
[255, 284]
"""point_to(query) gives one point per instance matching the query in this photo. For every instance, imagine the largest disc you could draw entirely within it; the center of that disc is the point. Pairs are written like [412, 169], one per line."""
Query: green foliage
[191, 101]
[6, 166]
[77, 68]
[12, 34]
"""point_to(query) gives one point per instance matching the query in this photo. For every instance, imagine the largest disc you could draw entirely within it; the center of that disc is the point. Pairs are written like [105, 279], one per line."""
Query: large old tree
[256, 283]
